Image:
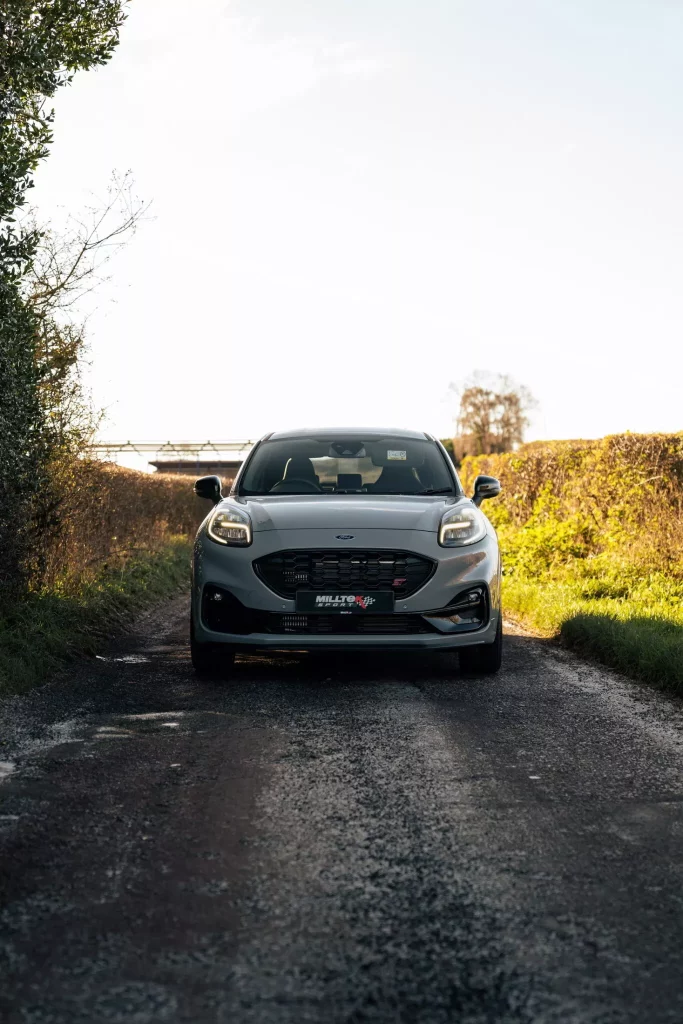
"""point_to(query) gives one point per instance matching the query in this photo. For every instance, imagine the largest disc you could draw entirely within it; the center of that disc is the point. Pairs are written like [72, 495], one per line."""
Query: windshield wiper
[437, 490]
[412, 494]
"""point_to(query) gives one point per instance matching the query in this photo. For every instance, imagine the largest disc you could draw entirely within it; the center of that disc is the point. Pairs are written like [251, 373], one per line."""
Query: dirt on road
[339, 839]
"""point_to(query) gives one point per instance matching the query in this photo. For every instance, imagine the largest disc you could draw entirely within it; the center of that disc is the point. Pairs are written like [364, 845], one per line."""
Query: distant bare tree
[66, 267]
[492, 414]
[69, 265]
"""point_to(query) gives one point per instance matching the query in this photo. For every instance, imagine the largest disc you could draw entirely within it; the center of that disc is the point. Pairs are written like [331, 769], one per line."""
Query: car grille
[285, 572]
[345, 625]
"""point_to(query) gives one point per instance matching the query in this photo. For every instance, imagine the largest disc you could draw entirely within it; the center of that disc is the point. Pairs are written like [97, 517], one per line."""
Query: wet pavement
[340, 839]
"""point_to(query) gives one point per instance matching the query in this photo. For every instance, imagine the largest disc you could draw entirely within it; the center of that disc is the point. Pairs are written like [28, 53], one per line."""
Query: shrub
[569, 500]
[42, 45]
[101, 515]
[592, 540]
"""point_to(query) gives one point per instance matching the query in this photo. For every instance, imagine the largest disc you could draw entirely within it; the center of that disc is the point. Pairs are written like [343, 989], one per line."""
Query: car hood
[347, 511]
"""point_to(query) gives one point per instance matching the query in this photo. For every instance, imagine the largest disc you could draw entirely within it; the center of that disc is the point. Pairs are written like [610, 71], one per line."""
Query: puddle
[30, 747]
[127, 659]
[109, 732]
[151, 715]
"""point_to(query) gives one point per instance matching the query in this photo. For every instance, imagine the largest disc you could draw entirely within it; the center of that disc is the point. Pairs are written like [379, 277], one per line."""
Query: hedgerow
[42, 632]
[111, 542]
[569, 501]
[592, 541]
[43, 43]
[101, 516]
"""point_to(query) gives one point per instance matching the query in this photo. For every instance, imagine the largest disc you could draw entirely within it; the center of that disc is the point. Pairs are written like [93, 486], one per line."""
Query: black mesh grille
[399, 571]
[343, 625]
[223, 613]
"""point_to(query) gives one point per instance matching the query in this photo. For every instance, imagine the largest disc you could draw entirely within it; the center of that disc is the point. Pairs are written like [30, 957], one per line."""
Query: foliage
[122, 540]
[492, 415]
[104, 516]
[22, 439]
[592, 539]
[42, 44]
[634, 625]
[41, 633]
[447, 442]
[564, 501]
[67, 265]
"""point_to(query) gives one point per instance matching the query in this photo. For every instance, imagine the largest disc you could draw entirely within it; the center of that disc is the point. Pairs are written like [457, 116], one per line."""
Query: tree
[492, 415]
[447, 442]
[22, 437]
[67, 266]
[42, 45]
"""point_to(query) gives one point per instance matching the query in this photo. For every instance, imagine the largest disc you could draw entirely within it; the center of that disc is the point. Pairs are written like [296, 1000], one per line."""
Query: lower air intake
[349, 625]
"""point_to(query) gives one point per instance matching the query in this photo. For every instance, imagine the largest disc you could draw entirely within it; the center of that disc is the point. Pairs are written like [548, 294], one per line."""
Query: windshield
[335, 464]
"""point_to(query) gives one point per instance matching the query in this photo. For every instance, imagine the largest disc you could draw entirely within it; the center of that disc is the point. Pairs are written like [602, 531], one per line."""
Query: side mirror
[485, 487]
[209, 487]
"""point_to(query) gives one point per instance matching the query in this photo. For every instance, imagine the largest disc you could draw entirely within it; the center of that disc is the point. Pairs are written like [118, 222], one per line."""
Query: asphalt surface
[342, 839]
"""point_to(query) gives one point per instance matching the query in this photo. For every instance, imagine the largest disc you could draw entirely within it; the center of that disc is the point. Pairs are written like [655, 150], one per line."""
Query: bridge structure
[191, 458]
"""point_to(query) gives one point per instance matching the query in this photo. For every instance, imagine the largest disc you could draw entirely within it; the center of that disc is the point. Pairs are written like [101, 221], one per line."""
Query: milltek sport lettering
[342, 600]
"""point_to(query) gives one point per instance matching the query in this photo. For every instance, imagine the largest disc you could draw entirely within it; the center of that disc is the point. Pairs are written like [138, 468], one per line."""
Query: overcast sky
[357, 202]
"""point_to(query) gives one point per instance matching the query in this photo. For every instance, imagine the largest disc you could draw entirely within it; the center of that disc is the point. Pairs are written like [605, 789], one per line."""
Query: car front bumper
[457, 569]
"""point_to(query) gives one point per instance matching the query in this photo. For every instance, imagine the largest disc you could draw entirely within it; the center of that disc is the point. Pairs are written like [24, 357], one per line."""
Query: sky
[357, 203]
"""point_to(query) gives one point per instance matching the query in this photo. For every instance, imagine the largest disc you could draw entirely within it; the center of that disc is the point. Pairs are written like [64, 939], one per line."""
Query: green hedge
[45, 630]
[592, 540]
[101, 516]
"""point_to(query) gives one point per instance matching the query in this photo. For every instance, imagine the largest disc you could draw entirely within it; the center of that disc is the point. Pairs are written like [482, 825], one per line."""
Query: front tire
[210, 660]
[484, 660]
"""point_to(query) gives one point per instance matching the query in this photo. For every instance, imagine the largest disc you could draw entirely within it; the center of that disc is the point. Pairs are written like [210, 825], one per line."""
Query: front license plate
[357, 603]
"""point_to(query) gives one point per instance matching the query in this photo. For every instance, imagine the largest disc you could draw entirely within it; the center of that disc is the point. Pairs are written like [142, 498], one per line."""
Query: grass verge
[640, 632]
[41, 633]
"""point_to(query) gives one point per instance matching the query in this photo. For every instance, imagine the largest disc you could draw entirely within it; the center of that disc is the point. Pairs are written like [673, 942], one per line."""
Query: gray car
[346, 540]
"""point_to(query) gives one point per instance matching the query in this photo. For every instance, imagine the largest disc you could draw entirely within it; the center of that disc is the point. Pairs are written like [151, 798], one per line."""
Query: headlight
[230, 526]
[462, 525]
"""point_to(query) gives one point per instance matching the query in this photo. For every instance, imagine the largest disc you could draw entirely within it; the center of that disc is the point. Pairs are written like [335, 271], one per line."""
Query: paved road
[345, 840]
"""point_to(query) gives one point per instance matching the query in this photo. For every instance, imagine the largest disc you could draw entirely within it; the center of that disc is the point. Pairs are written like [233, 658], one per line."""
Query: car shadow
[348, 668]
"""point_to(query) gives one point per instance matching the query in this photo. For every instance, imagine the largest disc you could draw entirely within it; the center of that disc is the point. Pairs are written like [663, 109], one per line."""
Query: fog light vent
[467, 612]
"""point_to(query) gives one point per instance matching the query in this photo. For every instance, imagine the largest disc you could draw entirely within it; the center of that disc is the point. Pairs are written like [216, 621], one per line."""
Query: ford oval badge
[344, 536]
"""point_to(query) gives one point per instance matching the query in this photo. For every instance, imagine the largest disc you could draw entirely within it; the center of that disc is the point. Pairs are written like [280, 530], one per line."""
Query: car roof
[326, 433]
